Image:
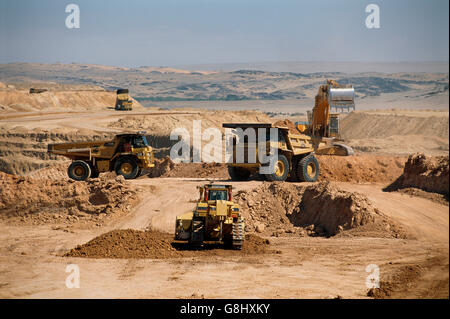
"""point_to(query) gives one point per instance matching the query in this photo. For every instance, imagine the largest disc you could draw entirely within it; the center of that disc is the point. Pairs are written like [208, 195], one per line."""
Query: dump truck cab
[123, 100]
[215, 218]
[126, 154]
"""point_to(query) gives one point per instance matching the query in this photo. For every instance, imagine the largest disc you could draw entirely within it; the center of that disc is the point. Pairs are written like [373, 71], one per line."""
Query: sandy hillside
[12, 100]
[397, 131]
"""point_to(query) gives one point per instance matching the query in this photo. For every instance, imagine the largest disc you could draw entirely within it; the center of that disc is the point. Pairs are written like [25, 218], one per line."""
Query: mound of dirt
[335, 210]
[288, 124]
[429, 173]
[37, 200]
[360, 168]
[267, 209]
[167, 168]
[152, 244]
[318, 210]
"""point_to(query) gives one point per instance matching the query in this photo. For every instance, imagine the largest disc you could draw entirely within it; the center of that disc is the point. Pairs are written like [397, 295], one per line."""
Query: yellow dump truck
[295, 154]
[126, 154]
[123, 100]
[216, 218]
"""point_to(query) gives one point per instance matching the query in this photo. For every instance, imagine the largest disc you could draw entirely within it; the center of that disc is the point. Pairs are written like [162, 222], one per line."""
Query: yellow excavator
[325, 124]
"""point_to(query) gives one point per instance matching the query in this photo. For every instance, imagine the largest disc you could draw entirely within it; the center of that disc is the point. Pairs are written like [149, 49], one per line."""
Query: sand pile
[318, 210]
[360, 168]
[131, 243]
[37, 201]
[167, 168]
[429, 173]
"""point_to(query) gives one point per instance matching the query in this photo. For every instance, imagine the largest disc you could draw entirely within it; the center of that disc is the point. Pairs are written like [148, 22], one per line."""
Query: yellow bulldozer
[123, 100]
[297, 144]
[126, 154]
[216, 218]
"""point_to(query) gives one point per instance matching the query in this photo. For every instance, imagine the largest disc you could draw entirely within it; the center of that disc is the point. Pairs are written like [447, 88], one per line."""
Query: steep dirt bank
[428, 173]
[23, 151]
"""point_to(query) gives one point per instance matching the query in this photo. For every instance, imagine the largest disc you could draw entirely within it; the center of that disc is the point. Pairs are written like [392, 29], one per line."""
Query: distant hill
[150, 84]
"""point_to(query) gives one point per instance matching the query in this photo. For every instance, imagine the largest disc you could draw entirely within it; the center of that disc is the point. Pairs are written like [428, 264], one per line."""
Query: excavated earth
[429, 173]
[359, 168]
[36, 201]
[281, 209]
[129, 243]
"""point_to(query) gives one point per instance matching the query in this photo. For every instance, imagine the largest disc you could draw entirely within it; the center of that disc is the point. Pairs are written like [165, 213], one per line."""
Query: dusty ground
[405, 231]
[31, 262]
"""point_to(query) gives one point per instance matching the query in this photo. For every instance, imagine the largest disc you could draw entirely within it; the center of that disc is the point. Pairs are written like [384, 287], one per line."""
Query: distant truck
[123, 100]
[126, 154]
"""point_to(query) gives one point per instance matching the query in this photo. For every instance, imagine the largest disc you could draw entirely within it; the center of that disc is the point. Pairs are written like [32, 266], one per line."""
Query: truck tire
[121, 91]
[79, 171]
[127, 167]
[281, 170]
[308, 169]
[238, 174]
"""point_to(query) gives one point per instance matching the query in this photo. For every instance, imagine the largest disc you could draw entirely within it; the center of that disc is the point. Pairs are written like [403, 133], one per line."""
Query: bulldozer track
[238, 234]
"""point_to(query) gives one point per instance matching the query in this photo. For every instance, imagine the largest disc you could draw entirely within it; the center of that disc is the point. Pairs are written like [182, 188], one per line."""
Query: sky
[136, 33]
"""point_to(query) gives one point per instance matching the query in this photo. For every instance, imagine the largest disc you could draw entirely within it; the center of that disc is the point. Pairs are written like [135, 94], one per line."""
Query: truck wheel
[281, 170]
[238, 174]
[127, 167]
[79, 171]
[308, 169]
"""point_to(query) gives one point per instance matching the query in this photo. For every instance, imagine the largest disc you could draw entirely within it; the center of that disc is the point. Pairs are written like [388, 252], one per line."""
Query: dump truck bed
[76, 148]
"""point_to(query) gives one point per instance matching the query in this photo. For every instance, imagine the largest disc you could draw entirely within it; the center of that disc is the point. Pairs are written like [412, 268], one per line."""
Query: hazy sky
[170, 33]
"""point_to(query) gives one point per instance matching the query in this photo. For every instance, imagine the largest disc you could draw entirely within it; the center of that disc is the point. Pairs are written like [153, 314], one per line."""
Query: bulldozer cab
[215, 192]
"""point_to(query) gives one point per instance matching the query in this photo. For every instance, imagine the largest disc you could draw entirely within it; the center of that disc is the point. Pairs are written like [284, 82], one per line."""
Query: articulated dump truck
[216, 218]
[126, 154]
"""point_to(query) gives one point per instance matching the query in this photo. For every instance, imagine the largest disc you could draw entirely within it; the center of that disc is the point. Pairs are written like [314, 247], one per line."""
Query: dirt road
[307, 267]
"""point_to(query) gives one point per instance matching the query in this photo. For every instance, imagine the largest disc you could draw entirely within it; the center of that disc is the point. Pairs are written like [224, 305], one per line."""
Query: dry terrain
[387, 205]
